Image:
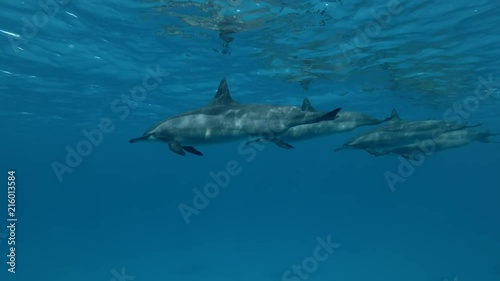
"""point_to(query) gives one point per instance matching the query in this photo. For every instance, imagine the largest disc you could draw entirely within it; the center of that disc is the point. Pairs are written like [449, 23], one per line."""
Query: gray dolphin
[345, 122]
[444, 141]
[398, 133]
[225, 120]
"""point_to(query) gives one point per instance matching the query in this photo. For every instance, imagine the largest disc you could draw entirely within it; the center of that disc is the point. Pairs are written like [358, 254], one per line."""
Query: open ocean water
[78, 79]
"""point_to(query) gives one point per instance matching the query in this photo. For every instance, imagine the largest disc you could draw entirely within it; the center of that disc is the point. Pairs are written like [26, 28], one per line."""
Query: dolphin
[345, 122]
[398, 133]
[224, 120]
[444, 141]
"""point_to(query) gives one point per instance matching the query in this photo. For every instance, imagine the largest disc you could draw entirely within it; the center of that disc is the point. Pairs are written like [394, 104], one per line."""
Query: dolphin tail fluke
[474, 126]
[141, 138]
[329, 116]
[413, 157]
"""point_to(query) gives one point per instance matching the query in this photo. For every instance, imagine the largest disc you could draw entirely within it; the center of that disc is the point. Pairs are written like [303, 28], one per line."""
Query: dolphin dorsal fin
[222, 97]
[307, 106]
[394, 116]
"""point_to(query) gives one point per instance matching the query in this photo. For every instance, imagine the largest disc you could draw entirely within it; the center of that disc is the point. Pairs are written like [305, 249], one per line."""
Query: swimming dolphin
[398, 133]
[345, 122]
[442, 142]
[225, 120]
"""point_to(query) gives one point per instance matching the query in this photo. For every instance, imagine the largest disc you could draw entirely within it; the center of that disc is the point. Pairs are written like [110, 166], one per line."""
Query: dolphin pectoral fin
[176, 148]
[282, 144]
[179, 149]
[329, 116]
[415, 155]
[473, 126]
[276, 141]
[374, 152]
[192, 150]
[484, 137]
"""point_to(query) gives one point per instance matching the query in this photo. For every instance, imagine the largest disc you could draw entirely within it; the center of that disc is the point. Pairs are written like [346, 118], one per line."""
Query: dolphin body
[224, 120]
[444, 141]
[398, 133]
[345, 122]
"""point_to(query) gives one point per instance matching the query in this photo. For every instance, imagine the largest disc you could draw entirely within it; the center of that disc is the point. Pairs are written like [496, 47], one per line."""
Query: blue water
[114, 215]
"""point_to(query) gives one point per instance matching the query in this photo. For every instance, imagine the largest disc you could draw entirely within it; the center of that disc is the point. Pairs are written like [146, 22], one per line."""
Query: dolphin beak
[142, 138]
[340, 148]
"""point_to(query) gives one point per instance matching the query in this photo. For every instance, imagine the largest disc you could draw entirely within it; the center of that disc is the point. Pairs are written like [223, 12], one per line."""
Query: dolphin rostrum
[224, 120]
[397, 133]
[345, 122]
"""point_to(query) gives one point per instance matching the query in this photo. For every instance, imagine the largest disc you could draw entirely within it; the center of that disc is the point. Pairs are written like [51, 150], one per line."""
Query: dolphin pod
[444, 141]
[345, 122]
[413, 138]
[224, 120]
